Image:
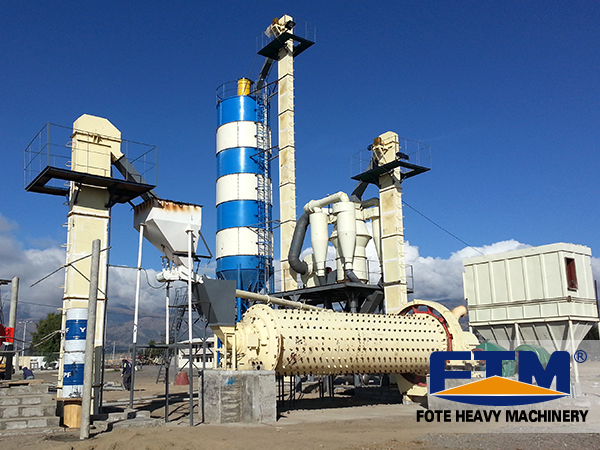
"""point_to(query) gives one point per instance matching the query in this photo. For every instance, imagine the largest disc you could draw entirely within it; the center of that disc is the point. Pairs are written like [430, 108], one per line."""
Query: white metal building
[197, 353]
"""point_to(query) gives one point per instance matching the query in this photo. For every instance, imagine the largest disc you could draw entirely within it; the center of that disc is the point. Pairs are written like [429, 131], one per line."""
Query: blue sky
[506, 93]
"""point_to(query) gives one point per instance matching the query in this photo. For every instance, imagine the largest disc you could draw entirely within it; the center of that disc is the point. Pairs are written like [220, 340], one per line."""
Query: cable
[253, 63]
[130, 312]
[37, 304]
[145, 271]
[67, 265]
[148, 281]
[442, 228]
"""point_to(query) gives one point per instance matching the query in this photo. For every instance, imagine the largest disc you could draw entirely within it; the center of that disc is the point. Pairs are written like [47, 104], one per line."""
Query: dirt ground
[318, 424]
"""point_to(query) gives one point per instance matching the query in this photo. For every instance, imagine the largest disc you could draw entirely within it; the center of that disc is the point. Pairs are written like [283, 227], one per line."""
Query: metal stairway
[264, 193]
[179, 308]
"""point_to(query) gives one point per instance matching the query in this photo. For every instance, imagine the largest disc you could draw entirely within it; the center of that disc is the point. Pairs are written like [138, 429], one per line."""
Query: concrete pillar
[86, 405]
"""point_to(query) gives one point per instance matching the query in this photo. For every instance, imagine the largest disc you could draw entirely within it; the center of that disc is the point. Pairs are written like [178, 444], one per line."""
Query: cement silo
[244, 205]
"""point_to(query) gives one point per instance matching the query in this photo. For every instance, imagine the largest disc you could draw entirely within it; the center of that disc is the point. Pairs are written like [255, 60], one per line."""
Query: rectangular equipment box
[542, 289]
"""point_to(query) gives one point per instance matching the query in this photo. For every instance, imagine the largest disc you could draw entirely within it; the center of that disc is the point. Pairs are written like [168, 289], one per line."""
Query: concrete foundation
[231, 396]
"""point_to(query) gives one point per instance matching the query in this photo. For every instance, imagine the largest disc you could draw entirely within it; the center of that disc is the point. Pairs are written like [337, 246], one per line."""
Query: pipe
[319, 238]
[136, 313]
[276, 301]
[575, 368]
[362, 186]
[190, 233]
[14, 298]
[333, 198]
[352, 276]
[168, 350]
[358, 191]
[296, 246]
[130, 173]
[373, 201]
[459, 311]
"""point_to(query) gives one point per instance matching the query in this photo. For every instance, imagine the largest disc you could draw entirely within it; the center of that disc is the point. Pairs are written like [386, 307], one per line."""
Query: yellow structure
[96, 143]
[243, 86]
[287, 149]
[385, 147]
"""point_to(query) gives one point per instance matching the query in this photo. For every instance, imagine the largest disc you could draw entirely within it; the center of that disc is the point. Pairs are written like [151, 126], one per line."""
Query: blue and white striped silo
[244, 231]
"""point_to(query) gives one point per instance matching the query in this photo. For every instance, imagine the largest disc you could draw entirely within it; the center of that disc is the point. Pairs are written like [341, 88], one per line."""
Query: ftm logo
[494, 390]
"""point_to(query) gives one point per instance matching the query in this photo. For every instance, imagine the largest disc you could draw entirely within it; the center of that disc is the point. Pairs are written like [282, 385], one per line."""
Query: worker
[28, 374]
[126, 374]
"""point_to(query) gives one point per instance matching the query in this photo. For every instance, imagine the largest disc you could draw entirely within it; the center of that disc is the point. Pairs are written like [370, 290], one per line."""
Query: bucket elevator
[84, 174]
[283, 46]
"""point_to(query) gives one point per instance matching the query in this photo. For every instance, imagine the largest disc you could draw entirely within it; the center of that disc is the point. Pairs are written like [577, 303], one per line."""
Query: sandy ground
[317, 424]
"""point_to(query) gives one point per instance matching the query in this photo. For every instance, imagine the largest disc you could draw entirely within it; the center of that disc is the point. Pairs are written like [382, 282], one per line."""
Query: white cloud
[30, 266]
[7, 225]
[33, 264]
[498, 247]
[122, 286]
[441, 279]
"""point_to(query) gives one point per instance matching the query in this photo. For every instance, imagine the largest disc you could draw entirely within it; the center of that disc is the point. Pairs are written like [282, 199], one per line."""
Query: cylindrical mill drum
[295, 342]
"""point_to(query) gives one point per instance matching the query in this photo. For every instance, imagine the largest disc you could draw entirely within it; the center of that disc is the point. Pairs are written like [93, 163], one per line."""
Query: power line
[38, 304]
[145, 271]
[111, 312]
[441, 228]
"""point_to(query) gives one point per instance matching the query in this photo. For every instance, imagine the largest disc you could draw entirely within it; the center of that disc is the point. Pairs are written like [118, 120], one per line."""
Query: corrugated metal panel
[525, 295]
[236, 241]
[237, 160]
[236, 134]
[239, 186]
[531, 274]
[236, 108]
[239, 213]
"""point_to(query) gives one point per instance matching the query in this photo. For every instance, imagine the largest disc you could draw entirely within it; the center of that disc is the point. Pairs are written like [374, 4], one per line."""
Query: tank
[244, 208]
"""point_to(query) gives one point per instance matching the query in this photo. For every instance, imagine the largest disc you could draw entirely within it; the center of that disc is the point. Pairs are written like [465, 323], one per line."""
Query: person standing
[126, 374]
